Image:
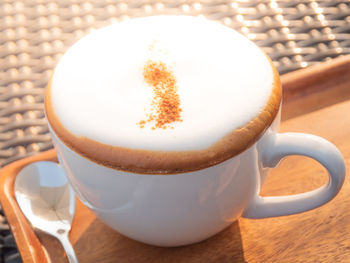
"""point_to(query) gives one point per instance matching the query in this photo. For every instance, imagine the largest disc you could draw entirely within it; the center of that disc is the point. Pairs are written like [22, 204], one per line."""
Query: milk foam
[223, 81]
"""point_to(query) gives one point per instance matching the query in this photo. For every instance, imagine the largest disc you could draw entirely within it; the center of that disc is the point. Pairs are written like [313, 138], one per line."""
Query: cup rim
[169, 162]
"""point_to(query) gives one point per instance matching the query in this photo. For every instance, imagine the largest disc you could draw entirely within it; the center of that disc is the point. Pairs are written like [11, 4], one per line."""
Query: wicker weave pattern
[35, 33]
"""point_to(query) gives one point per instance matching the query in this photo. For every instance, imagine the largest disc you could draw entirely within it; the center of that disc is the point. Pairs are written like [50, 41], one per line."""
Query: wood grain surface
[320, 235]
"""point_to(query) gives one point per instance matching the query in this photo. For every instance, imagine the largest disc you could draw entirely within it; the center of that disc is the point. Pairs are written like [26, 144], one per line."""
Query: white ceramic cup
[180, 209]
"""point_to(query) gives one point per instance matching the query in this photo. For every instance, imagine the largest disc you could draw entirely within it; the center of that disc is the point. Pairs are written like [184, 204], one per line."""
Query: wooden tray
[316, 100]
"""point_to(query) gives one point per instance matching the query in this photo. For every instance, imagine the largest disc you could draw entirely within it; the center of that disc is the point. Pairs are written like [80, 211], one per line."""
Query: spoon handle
[67, 246]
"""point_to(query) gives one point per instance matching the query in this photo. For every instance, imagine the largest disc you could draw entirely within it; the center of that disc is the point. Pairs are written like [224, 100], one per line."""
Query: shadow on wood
[99, 243]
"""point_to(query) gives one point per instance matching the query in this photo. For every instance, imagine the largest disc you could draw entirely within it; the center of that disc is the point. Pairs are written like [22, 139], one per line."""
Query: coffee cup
[167, 126]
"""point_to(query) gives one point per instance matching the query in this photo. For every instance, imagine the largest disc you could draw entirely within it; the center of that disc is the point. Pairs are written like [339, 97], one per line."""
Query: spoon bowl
[47, 201]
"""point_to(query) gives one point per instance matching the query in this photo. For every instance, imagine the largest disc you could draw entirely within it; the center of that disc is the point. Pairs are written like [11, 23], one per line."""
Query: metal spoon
[48, 202]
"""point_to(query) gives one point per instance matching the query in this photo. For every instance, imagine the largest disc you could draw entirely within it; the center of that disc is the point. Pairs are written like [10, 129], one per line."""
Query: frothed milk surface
[99, 91]
[162, 95]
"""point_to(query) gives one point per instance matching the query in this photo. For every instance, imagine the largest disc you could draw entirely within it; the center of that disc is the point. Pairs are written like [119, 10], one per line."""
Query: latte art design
[165, 106]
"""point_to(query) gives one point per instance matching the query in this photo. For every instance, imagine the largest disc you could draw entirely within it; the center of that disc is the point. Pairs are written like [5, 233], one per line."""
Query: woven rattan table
[35, 33]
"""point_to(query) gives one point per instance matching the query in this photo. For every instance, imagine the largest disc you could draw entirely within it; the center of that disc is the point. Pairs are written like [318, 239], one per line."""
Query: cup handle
[281, 145]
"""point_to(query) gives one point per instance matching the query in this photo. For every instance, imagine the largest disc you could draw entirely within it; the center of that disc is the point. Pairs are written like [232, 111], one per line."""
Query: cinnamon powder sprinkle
[165, 105]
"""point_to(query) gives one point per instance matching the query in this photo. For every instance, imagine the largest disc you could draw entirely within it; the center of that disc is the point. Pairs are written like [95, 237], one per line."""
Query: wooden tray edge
[29, 246]
[315, 78]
